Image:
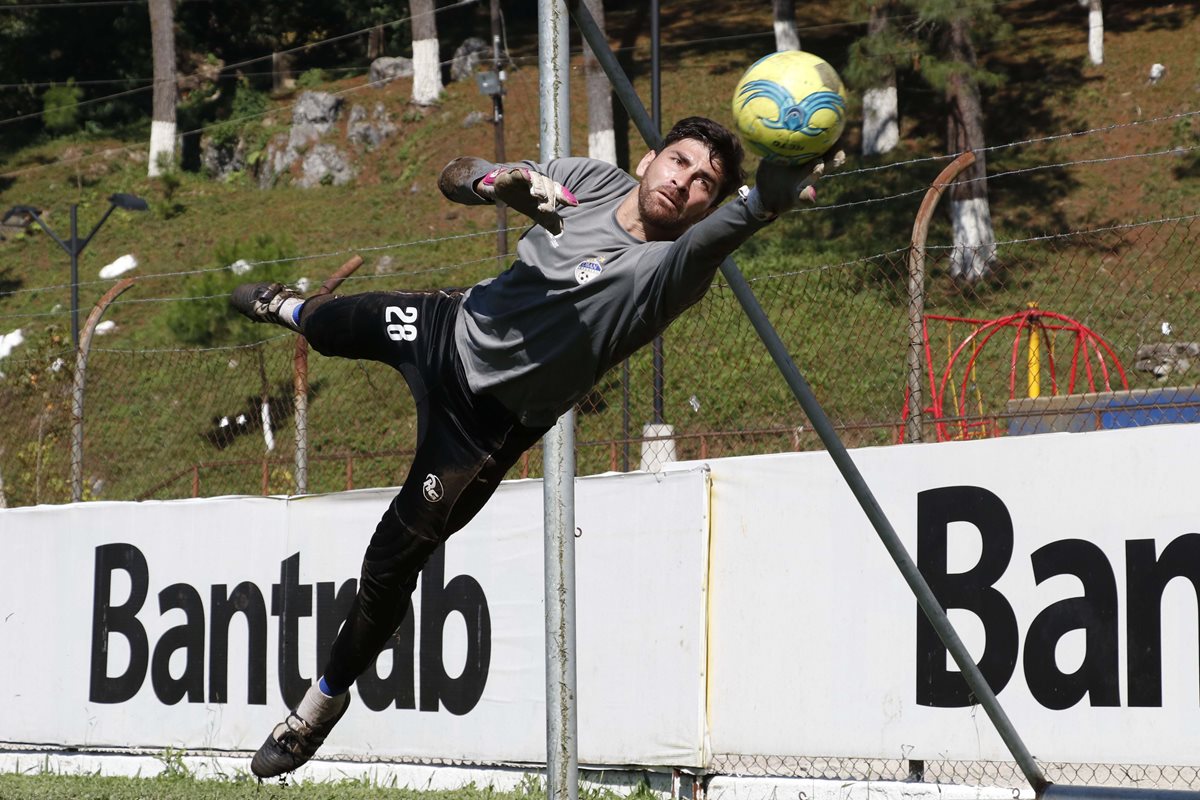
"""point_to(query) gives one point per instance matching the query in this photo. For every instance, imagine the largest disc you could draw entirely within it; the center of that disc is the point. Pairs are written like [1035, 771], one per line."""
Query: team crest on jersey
[588, 269]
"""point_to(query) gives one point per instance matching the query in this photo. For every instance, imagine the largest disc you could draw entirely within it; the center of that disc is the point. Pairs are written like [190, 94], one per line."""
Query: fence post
[300, 378]
[78, 381]
[913, 427]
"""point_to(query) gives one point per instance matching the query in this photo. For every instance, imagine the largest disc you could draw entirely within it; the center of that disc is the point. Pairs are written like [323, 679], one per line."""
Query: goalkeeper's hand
[536, 196]
[780, 187]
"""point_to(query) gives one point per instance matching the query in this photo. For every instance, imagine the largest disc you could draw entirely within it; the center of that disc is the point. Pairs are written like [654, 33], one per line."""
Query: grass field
[91, 787]
[177, 783]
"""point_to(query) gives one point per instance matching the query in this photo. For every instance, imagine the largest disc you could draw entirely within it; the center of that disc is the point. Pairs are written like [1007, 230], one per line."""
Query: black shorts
[466, 443]
[462, 437]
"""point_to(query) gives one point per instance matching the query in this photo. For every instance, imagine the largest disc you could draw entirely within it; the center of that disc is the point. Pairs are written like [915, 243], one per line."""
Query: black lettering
[332, 608]
[1095, 613]
[464, 595]
[290, 601]
[248, 600]
[108, 619]
[188, 637]
[1147, 579]
[972, 590]
[398, 688]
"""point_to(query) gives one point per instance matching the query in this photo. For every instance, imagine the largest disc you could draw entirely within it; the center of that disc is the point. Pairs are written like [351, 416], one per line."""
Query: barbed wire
[1090, 232]
[255, 60]
[198, 298]
[233, 120]
[1020, 143]
[826, 267]
[1000, 243]
[1176, 151]
[191, 350]
[453, 237]
[800, 29]
[496, 257]
[406, 273]
[286, 259]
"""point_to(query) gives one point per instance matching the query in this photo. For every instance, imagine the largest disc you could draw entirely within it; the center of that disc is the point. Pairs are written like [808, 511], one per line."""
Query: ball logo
[793, 115]
[790, 106]
[432, 488]
[588, 269]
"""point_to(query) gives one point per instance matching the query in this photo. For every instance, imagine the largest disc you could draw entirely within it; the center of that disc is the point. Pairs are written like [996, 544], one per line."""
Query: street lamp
[74, 245]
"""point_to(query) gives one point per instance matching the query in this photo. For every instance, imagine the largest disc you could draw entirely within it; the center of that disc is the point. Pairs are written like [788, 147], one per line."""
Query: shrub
[209, 320]
[60, 107]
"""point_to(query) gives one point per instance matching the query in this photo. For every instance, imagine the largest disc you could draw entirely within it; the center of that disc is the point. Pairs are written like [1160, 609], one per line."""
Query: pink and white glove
[779, 187]
[535, 195]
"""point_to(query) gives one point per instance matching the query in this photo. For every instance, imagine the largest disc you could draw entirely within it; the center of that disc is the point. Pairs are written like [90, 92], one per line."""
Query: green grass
[177, 783]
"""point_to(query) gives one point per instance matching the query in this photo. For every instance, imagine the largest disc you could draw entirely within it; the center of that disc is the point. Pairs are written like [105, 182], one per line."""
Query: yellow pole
[1033, 361]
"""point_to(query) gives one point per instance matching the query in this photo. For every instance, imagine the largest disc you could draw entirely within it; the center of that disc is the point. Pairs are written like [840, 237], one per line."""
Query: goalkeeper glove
[536, 196]
[780, 187]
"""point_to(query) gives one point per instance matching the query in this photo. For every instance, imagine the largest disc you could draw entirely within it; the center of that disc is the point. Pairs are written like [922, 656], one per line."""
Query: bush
[60, 107]
[311, 78]
[246, 109]
[209, 320]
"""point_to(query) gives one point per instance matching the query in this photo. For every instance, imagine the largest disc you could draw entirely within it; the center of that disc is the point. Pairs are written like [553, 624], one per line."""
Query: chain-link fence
[1087, 330]
[971, 773]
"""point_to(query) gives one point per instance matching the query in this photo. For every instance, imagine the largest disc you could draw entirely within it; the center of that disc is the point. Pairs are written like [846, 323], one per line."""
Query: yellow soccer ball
[789, 106]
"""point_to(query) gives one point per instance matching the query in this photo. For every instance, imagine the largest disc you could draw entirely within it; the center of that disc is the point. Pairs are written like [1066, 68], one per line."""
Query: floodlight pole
[558, 456]
[837, 450]
[74, 245]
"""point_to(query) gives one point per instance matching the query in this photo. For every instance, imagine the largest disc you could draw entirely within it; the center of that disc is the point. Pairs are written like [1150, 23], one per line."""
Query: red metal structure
[1093, 366]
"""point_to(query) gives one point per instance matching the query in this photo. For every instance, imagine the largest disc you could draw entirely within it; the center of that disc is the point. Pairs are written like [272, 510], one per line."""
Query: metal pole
[816, 415]
[79, 380]
[656, 116]
[74, 250]
[562, 754]
[300, 377]
[498, 127]
[300, 399]
[914, 426]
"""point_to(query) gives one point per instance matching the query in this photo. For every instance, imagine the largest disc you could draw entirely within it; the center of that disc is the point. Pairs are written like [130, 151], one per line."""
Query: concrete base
[660, 450]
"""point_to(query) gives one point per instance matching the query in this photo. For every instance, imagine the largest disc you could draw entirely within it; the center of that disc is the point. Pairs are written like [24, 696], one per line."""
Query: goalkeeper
[609, 264]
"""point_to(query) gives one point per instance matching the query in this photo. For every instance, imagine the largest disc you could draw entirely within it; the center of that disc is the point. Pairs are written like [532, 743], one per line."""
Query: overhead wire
[1174, 151]
[236, 65]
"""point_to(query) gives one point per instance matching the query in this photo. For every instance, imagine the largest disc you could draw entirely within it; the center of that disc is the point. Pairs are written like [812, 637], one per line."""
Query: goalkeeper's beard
[663, 218]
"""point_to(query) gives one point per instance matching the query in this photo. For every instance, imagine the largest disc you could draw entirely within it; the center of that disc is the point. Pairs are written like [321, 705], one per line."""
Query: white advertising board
[187, 624]
[1070, 563]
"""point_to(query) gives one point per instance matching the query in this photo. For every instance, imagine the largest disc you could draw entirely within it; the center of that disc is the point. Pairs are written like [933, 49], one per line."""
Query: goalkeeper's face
[678, 187]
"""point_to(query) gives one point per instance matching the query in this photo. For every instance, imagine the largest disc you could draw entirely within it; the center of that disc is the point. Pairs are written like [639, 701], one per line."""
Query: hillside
[837, 300]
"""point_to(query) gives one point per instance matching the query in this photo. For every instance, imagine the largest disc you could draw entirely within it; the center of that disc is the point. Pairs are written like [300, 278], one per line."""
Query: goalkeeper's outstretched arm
[459, 178]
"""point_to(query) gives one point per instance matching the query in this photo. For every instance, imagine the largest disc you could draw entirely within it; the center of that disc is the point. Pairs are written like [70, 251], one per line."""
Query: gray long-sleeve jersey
[540, 335]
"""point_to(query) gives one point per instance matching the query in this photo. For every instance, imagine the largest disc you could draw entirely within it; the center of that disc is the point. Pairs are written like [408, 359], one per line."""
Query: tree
[939, 45]
[873, 66]
[1095, 31]
[786, 35]
[162, 127]
[974, 238]
[602, 142]
[427, 70]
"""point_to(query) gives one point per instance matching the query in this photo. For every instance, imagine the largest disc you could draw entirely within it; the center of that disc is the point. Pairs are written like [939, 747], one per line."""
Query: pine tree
[602, 141]
[938, 41]
[427, 69]
[162, 128]
[873, 67]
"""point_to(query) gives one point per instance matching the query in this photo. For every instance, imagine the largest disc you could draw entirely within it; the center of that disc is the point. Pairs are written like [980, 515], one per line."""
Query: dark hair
[723, 148]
